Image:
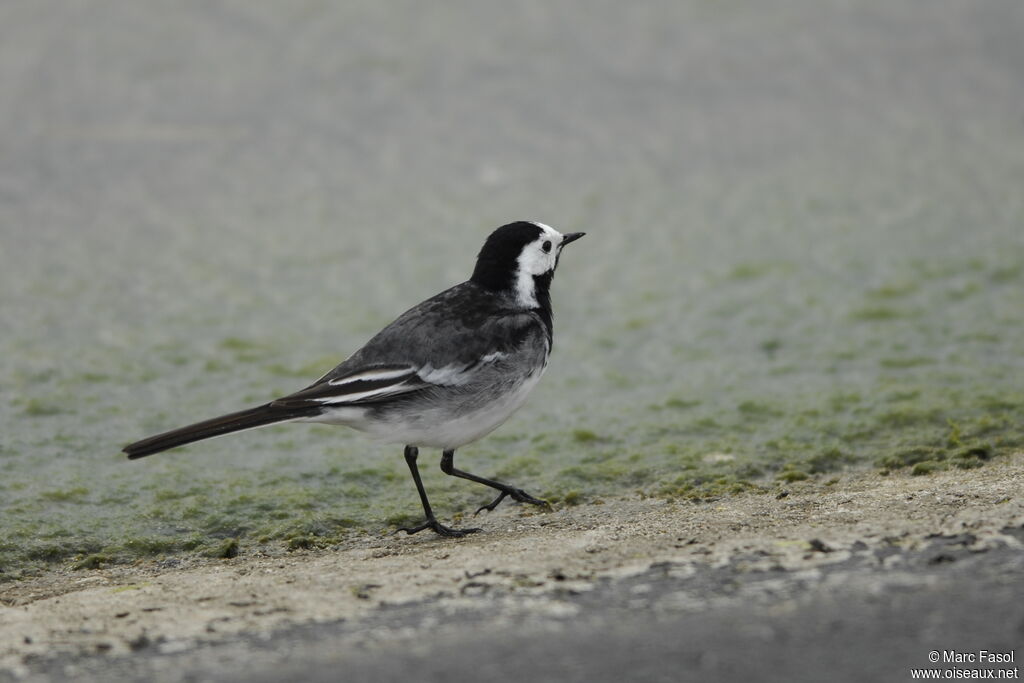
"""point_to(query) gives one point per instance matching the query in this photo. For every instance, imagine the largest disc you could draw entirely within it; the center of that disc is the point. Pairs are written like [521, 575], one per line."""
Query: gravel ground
[854, 579]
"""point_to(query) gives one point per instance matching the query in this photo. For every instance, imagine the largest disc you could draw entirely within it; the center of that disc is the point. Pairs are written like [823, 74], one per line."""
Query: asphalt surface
[874, 616]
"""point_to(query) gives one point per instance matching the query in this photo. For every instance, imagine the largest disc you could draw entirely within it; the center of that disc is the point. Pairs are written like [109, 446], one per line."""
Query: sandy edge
[115, 611]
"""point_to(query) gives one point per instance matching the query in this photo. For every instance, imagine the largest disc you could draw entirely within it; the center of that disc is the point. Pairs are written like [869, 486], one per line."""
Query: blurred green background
[805, 249]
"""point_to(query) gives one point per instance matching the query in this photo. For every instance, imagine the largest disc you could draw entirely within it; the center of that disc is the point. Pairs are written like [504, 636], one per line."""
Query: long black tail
[259, 416]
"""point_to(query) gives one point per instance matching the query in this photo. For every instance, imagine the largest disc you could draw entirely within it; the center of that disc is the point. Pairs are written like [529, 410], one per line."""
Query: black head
[520, 257]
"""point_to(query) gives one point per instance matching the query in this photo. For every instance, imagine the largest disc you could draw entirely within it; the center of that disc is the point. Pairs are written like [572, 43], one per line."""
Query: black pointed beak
[571, 237]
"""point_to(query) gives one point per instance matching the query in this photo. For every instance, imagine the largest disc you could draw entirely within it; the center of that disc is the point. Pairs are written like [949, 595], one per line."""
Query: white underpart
[535, 261]
[467, 428]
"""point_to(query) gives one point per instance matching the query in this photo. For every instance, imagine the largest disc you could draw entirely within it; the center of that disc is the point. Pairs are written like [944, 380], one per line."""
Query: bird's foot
[518, 495]
[439, 529]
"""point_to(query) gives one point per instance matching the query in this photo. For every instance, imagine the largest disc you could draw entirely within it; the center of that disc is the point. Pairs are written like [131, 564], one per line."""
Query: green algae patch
[905, 362]
[698, 488]
[244, 350]
[304, 543]
[148, 546]
[927, 459]
[69, 495]
[237, 344]
[909, 414]
[569, 498]
[677, 403]
[926, 467]
[585, 436]
[791, 475]
[972, 456]
[829, 460]
[227, 549]
[403, 519]
[895, 290]
[759, 409]
[95, 561]
[878, 314]
[55, 551]
[755, 270]
[572, 498]
[37, 407]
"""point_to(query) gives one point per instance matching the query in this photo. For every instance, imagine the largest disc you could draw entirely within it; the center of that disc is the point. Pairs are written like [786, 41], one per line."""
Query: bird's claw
[493, 504]
[439, 529]
[518, 495]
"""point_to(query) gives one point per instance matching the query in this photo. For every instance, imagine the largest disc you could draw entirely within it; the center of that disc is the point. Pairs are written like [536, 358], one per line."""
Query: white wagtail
[445, 373]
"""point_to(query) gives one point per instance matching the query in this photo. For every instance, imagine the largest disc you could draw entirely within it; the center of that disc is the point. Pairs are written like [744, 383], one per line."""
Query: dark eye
[546, 247]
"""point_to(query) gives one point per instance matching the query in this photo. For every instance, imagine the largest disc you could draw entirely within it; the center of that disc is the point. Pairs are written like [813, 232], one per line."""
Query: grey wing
[434, 344]
[456, 327]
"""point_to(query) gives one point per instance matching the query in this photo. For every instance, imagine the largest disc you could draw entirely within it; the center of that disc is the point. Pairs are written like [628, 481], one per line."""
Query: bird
[444, 374]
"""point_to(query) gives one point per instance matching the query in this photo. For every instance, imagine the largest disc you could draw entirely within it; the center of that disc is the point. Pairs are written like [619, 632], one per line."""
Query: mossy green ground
[831, 288]
[694, 403]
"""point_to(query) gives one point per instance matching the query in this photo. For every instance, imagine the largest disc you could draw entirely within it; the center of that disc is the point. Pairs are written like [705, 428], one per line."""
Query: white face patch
[535, 260]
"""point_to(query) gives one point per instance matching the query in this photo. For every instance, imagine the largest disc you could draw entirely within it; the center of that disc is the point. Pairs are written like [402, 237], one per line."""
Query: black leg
[448, 467]
[411, 453]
